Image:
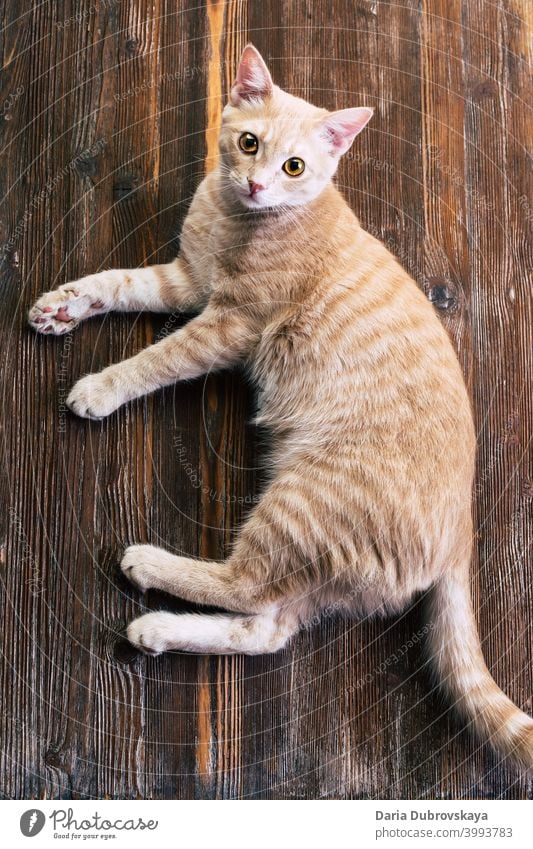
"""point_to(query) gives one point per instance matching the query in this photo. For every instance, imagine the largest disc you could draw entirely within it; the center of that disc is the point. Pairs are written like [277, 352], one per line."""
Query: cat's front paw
[153, 633]
[144, 565]
[95, 396]
[62, 310]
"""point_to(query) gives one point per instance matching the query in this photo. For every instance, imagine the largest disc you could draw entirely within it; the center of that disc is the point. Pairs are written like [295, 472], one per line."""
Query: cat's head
[277, 149]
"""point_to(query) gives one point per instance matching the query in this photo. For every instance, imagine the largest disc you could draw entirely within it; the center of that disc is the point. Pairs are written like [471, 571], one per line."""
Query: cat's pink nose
[254, 187]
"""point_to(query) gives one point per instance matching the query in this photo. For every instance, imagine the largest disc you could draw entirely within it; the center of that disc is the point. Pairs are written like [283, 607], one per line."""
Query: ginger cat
[358, 384]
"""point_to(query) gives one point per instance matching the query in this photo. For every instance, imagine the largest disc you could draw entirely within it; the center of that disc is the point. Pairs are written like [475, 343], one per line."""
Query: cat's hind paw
[153, 633]
[60, 311]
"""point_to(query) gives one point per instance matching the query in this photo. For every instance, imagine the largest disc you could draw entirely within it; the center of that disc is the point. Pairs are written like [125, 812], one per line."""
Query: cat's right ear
[253, 80]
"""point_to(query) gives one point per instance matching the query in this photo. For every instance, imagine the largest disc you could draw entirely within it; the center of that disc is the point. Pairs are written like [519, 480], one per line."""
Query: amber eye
[248, 143]
[294, 166]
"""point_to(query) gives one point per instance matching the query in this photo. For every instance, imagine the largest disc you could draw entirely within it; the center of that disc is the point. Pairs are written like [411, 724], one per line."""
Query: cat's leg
[200, 581]
[284, 551]
[212, 340]
[158, 288]
[212, 633]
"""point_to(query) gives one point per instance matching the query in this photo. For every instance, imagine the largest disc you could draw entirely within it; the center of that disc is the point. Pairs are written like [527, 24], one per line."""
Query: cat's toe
[48, 320]
[61, 310]
[152, 633]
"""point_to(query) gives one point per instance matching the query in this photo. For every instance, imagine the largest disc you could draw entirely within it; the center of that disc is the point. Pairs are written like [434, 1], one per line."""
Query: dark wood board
[108, 120]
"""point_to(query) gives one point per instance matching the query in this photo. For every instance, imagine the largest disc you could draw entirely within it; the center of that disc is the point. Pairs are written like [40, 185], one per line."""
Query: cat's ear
[340, 128]
[253, 80]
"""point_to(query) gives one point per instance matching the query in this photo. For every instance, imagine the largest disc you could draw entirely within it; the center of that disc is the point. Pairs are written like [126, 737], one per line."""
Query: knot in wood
[442, 294]
[123, 651]
[132, 45]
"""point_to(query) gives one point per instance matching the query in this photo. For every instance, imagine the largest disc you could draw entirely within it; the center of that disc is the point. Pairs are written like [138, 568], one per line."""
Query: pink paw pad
[62, 315]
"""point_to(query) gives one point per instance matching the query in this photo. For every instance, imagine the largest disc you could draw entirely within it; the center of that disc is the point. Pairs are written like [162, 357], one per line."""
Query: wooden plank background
[108, 119]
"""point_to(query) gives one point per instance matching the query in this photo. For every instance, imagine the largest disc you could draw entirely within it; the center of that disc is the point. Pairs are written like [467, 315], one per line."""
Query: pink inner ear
[342, 127]
[253, 79]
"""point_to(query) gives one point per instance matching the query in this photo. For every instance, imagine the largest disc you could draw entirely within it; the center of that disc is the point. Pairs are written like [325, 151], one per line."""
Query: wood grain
[108, 117]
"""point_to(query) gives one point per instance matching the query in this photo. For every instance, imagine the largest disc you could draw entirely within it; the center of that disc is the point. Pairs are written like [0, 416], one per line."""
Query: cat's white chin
[252, 202]
[256, 203]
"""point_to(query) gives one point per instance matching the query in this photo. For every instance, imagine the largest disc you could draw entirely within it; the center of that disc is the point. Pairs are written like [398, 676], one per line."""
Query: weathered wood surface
[108, 116]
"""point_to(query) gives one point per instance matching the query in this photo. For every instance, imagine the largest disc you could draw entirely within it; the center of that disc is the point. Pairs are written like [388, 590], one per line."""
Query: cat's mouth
[249, 195]
[253, 200]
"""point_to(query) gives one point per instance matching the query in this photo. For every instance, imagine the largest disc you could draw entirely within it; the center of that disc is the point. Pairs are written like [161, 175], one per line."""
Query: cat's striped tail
[456, 657]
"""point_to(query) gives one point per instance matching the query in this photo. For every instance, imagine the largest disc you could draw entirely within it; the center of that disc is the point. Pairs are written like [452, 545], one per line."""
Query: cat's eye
[294, 166]
[248, 143]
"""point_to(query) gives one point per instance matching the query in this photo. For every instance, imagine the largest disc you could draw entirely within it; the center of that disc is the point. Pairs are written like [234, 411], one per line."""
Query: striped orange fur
[357, 382]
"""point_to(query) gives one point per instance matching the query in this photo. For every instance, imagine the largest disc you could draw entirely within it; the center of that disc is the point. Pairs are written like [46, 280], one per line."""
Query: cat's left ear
[253, 80]
[340, 128]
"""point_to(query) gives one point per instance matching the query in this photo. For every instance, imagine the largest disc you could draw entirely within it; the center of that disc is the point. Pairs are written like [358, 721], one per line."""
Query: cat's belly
[340, 400]
[298, 385]
[284, 405]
